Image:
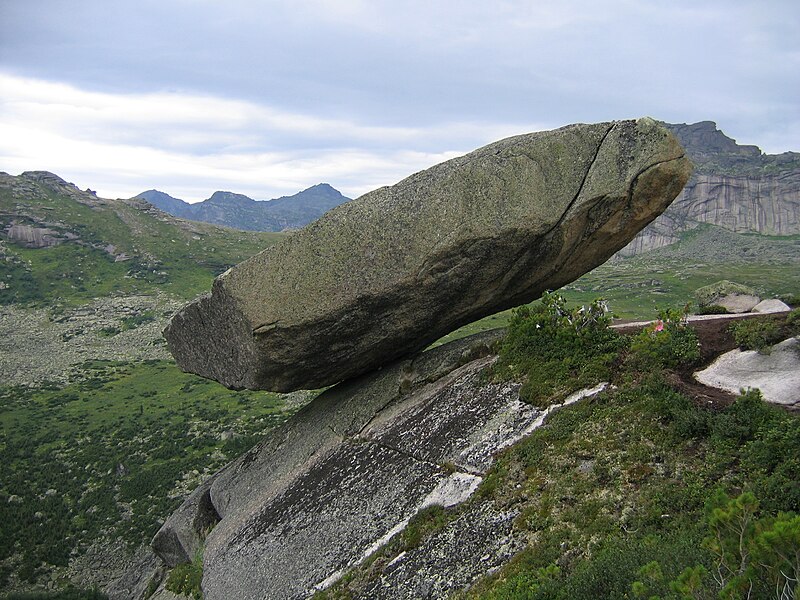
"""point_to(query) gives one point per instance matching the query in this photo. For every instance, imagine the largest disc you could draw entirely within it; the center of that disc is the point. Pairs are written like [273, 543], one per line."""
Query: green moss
[711, 293]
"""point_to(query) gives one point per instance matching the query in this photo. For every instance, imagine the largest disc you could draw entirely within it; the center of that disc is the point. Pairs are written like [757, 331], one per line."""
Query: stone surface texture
[477, 542]
[384, 275]
[771, 305]
[738, 303]
[734, 187]
[776, 374]
[350, 470]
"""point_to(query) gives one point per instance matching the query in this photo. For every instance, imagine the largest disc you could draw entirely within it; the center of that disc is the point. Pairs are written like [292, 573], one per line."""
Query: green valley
[107, 457]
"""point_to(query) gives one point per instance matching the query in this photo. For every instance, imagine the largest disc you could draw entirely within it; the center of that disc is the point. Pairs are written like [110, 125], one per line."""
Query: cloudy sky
[269, 97]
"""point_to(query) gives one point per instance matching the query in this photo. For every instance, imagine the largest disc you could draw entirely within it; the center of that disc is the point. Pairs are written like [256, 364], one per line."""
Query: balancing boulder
[386, 274]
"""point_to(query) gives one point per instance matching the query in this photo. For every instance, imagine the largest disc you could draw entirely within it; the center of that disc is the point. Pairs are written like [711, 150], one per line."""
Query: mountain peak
[221, 197]
[323, 187]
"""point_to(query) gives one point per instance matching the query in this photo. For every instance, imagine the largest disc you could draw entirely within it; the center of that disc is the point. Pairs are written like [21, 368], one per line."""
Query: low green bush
[555, 350]
[712, 309]
[762, 334]
[666, 344]
[423, 523]
[755, 334]
[792, 300]
[186, 578]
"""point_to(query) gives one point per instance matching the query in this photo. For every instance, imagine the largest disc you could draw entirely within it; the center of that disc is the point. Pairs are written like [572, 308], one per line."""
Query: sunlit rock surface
[382, 276]
[349, 470]
[776, 374]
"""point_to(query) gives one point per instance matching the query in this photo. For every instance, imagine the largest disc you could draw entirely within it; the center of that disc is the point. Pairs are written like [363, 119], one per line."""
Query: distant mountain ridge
[242, 212]
[736, 187]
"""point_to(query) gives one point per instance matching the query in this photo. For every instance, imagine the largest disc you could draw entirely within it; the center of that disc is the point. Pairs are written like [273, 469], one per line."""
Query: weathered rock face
[734, 187]
[771, 305]
[33, 237]
[738, 303]
[384, 275]
[349, 471]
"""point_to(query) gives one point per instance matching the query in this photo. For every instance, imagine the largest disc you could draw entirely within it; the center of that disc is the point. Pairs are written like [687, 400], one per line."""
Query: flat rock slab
[359, 493]
[776, 374]
[384, 275]
[477, 542]
[349, 471]
[772, 305]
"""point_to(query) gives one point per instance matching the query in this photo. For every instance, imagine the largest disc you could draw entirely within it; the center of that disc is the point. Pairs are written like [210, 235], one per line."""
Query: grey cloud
[419, 64]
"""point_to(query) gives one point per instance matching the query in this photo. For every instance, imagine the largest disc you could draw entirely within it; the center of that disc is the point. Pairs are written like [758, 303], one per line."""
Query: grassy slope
[610, 484]
[668, 277]
[176, 256]
[118, 449]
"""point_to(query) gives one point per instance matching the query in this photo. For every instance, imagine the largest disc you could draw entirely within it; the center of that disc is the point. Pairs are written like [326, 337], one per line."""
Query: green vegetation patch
[639, 491]
[555, 351]
[761, 335]
[113, 246]
[111, 455]
[637, 476]
[186, 578]
[645, 492]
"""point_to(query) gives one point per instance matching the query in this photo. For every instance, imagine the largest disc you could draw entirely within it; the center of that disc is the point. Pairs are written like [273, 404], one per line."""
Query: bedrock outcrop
[349, 470]
[384, 275]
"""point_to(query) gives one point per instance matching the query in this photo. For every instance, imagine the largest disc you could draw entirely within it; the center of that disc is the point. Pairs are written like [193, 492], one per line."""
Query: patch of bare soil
[715, 340]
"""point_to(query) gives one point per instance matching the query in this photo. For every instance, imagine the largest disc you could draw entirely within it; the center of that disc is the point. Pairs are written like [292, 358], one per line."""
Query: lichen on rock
[384, 275]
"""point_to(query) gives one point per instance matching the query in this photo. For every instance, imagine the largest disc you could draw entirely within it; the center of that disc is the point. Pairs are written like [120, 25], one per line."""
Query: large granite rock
[350, 470]
[382, 276]
[776, 373]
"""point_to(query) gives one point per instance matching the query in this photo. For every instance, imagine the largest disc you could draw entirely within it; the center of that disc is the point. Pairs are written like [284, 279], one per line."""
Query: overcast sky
[268, 97]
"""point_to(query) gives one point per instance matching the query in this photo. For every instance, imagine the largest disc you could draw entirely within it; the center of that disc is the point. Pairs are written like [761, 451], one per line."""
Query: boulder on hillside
[776, 373]
[350, 470]
[738, 303]
[771, 305]
[712, 294]
[384, 275]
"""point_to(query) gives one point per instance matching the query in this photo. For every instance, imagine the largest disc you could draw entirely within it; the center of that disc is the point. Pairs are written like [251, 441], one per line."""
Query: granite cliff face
[386, 274]
[734, 187]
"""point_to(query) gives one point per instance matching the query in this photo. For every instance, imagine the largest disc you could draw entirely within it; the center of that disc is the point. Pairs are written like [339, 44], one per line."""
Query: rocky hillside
[100, 433]
[735, 187]
[241, 212]
[59, 244]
